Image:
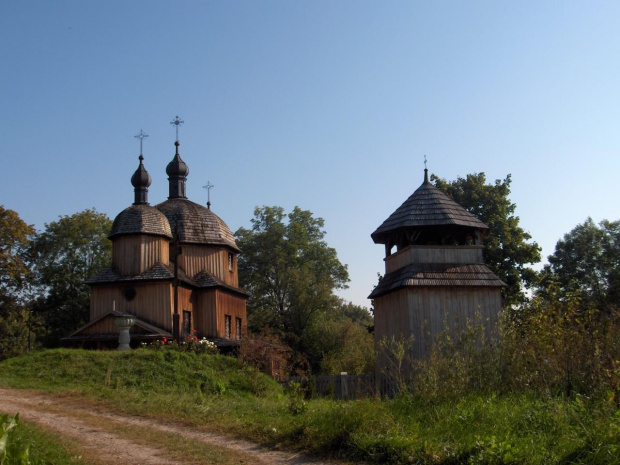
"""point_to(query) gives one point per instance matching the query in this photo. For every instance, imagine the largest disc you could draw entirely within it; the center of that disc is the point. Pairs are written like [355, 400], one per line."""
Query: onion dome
[427, 209]
[141, 219]
[141, 180]
[196, 224]
[177, 172]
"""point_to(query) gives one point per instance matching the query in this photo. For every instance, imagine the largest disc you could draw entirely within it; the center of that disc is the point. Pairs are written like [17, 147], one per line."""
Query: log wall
[135, 254]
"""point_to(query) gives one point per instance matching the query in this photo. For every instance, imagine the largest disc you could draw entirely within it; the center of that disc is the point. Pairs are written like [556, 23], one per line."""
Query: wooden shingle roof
[196, 224]
[427, 206]
[437, 274]
[161, 272]
[141, 219]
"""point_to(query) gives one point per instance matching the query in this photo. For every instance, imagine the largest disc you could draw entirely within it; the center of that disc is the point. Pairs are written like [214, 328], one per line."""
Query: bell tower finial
[425, 171]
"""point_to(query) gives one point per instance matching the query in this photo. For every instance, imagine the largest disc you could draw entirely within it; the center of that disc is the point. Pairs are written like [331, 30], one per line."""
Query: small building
[174, 268]
[434, 271]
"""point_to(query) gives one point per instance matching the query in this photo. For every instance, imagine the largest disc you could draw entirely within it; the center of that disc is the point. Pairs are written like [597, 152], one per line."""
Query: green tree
[67, 253]
[15, 237]
[508, 248]
[290, 272]
[587, 259]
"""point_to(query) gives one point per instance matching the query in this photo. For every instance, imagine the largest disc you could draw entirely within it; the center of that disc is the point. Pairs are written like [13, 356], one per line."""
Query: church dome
[141, 178]
[177, 167]
[196, 224]
[141, 219]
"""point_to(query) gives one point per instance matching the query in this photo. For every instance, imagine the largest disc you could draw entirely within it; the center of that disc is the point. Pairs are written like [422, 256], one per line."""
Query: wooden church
[174, 271]
[434, 271]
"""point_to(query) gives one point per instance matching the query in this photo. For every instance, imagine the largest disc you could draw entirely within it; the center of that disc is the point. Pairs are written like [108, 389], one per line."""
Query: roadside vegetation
[471, 424]
[26, 444]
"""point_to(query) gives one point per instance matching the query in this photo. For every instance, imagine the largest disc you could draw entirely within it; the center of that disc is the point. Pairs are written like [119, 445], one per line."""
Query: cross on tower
[141, 135]
[424, 161]
[208, 186]
[177, 122]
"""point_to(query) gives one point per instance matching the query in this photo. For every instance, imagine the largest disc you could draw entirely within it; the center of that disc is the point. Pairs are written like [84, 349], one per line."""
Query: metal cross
[177, 122]
[424, 161]
[141, 135]
[208, 186]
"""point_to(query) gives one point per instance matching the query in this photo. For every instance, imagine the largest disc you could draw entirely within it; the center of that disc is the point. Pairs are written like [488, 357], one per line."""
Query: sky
[326, 105]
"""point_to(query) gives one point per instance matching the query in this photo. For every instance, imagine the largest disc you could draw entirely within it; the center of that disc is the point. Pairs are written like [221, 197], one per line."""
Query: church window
[237, 328]
[187, 323]
[227, 321]
[231, 259]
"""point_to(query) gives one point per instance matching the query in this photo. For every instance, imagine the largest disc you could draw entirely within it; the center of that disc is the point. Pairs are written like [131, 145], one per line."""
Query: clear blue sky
[328, 105]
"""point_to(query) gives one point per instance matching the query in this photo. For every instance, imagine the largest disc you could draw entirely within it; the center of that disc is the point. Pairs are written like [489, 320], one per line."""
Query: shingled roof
[437, 274]
[427, 206]
[196, 224]
[141, 219]
[207, 280]
[159, 272]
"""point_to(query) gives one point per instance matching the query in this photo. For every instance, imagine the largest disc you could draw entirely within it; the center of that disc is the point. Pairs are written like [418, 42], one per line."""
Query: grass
[218, 393]
[42, 446]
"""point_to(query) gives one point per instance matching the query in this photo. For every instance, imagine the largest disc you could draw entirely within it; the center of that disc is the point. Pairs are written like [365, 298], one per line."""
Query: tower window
[231, 259]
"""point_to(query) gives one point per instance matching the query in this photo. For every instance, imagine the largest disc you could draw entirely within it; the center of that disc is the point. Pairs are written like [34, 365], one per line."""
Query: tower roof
[196, 224]
[177, 171]
[141, 180]
[427, 206]
[141, 219]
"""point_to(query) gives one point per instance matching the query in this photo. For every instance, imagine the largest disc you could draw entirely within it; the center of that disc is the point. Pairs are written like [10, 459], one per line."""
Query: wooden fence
[347, 386]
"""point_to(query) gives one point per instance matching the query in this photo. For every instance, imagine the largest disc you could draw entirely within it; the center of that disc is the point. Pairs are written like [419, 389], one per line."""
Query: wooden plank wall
[135, 254]
[424, 312]
[229, 304]
[205, 322]
[196, 258]
[105, 326]
[152, 302]
[211, 308]
[433, 254]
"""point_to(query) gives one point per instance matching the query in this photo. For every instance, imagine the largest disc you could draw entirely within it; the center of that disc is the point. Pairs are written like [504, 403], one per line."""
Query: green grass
[27, 443]
[216, 391]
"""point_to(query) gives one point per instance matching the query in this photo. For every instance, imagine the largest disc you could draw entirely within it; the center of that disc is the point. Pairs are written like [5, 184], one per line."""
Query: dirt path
[99, 434]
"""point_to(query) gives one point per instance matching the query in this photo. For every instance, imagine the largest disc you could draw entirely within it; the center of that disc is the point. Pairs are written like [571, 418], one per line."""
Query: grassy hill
[219, 392]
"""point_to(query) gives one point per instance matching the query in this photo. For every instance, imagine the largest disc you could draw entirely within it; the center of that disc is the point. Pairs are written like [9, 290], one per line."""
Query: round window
[129, 293]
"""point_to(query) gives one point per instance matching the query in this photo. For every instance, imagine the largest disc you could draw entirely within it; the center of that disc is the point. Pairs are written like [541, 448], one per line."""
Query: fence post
[344, 386]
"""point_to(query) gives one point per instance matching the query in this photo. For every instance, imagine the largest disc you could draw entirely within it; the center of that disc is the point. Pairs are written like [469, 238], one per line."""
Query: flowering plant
[189, 343]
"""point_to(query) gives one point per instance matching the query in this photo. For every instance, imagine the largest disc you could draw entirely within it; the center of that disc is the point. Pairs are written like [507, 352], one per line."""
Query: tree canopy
[290, 272]
[508, 248]
[64, 255]
[15, 235]
[587, 260]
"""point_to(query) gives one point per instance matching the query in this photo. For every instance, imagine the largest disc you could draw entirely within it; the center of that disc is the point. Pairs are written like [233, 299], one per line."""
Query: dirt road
[104, 437]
